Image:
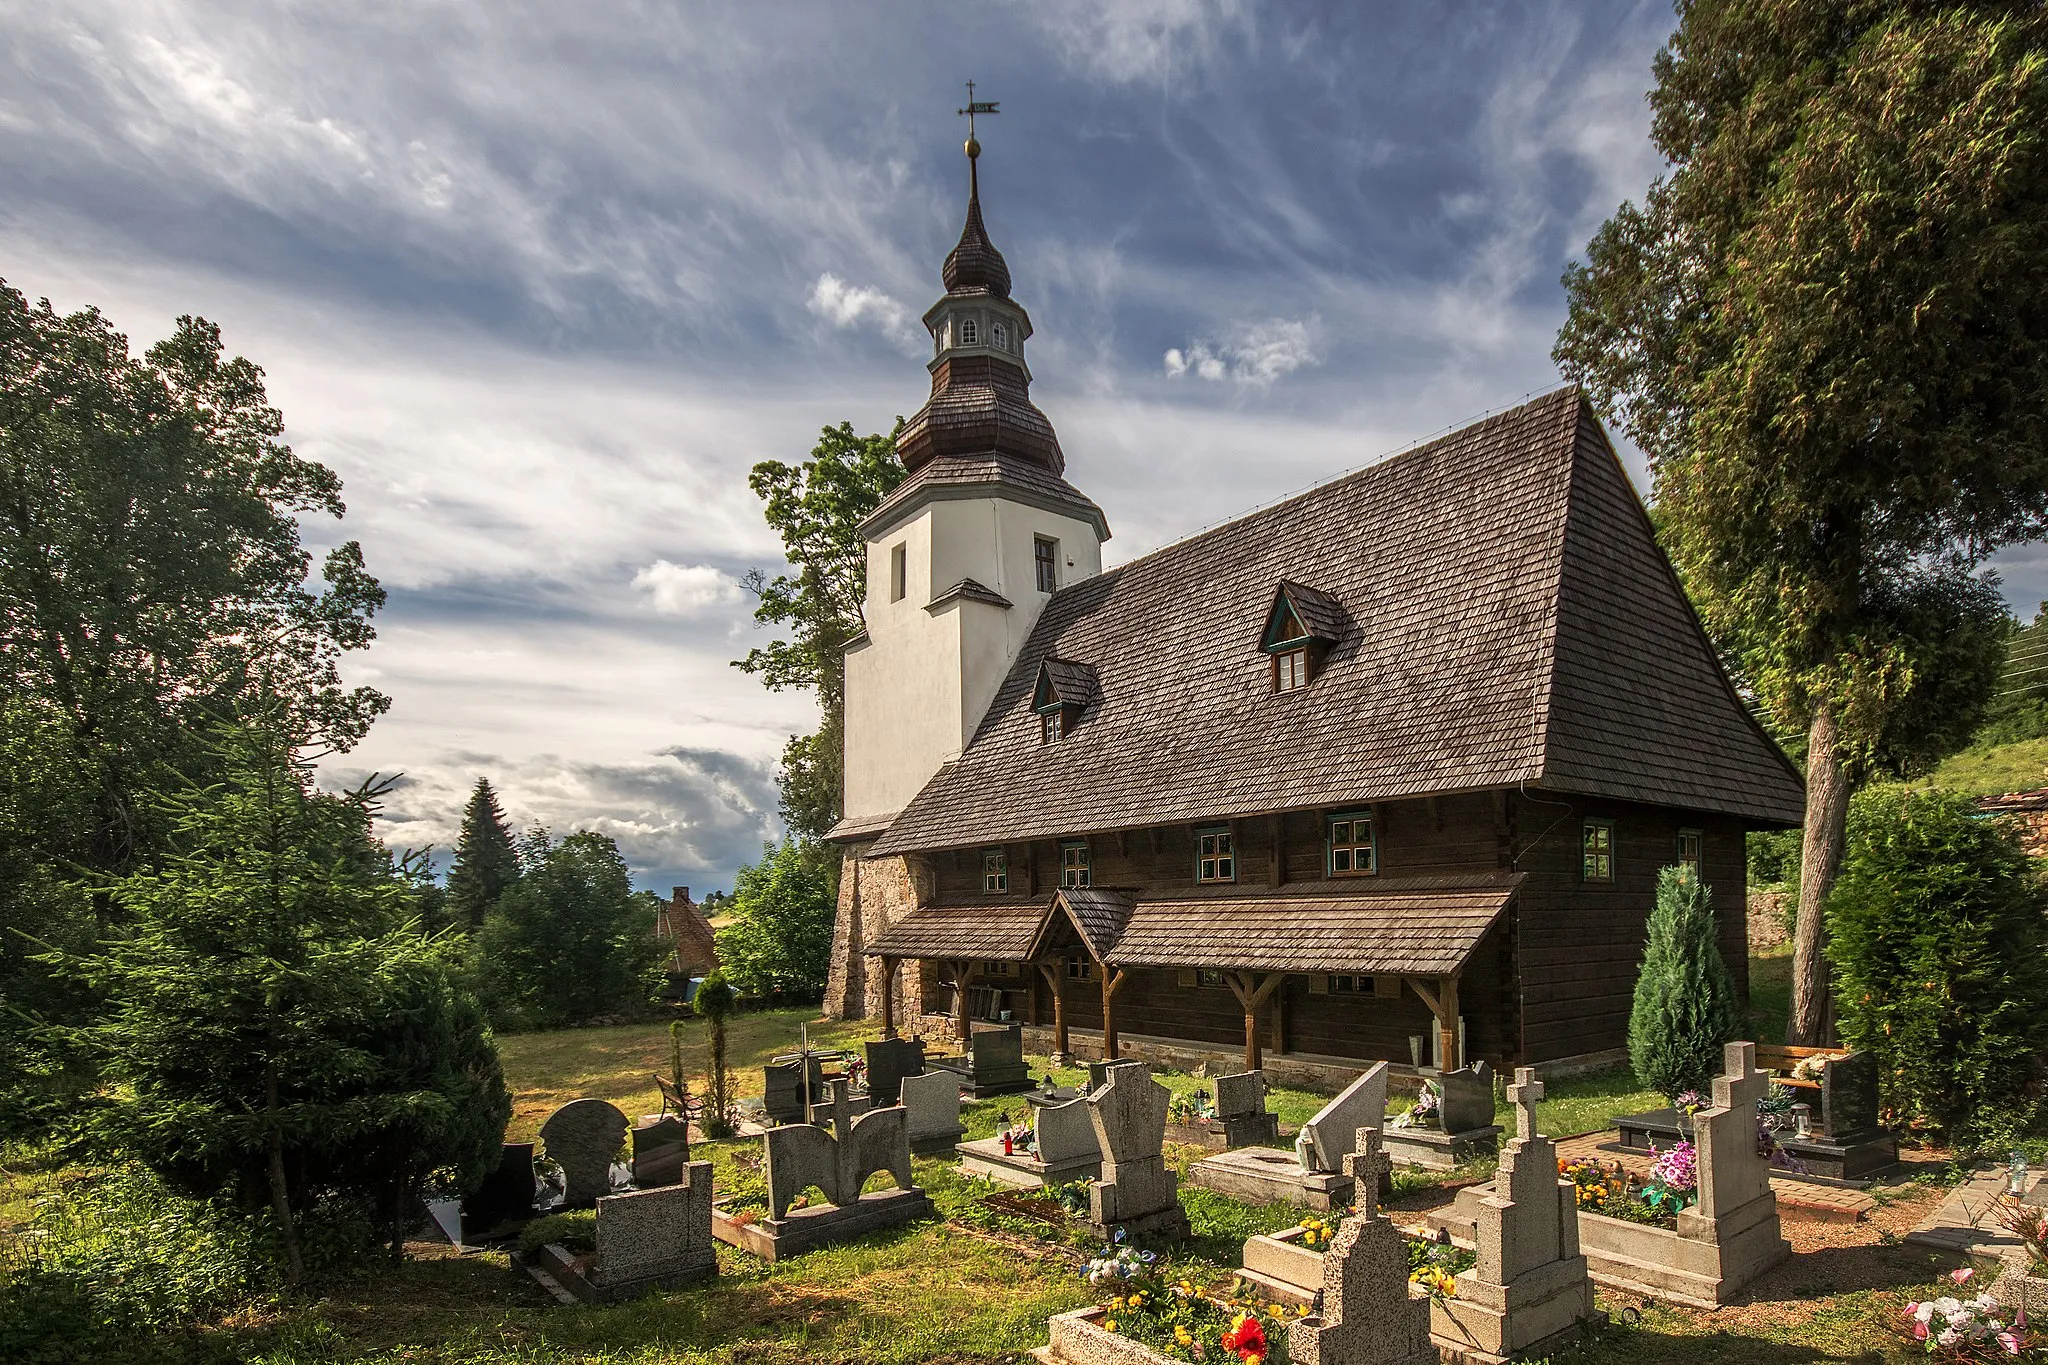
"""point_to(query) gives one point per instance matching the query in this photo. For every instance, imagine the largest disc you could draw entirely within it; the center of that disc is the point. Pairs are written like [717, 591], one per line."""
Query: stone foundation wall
[873, 894]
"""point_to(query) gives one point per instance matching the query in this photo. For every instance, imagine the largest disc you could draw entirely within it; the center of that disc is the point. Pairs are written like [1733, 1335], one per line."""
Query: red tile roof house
[1396, 759]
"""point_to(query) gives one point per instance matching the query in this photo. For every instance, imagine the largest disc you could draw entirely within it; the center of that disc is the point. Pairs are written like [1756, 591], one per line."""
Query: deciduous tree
[1827, 327]
[817, 508]
[780, 938]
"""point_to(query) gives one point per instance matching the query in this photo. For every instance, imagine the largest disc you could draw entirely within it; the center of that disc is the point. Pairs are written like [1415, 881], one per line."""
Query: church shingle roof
[1513, 621]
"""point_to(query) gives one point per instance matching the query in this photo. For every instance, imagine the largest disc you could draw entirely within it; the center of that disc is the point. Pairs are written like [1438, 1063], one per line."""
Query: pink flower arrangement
[1677, 1170]
[1963, 1329]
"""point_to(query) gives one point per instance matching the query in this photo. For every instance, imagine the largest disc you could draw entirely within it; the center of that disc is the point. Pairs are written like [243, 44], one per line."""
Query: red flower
[1246, 1338]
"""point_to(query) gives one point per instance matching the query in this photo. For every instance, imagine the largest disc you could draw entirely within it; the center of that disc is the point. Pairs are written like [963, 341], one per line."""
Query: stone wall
[873, 894]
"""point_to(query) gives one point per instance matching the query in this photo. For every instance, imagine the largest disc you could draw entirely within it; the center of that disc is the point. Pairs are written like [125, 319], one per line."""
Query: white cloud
[1257, 355]
[686, 589]
[1142, 41]
[848, 306]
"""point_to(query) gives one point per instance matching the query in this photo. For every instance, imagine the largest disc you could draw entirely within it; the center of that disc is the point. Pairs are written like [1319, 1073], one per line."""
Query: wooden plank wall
[1580, 944]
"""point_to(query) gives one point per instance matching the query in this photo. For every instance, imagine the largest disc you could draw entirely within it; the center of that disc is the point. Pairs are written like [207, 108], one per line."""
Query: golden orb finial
[973, 147]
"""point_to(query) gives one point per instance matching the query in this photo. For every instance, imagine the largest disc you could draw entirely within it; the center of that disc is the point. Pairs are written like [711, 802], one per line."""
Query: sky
[542, 282]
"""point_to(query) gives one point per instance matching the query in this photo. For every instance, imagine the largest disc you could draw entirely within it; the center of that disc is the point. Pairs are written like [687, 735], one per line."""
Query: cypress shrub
[1936, 936]
[1685, 1000]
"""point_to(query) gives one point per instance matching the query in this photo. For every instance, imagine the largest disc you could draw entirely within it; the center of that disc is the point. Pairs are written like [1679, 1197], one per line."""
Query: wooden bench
[1782, 1058]
[676, 1099]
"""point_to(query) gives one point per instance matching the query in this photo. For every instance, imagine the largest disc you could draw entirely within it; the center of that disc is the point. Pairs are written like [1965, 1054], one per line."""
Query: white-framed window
[1353, 851]
[1290, 670]
[995, 871]
[968, 336]
[1215, 857]
[899, 572]
[1051, 725]
[1692, 845]
[999, 336]
[1074, 869]
[1596, 851]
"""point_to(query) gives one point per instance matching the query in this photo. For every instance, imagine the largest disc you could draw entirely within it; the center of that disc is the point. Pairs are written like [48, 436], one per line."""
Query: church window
[1045, 557]
[999, 336]
[1080, 969]
[1352, 850]
[899, 572]
[1596, 851]
[1215, 860]
[995, 871]
[1052, 725]
[1690, 844]
[1290, 670]
[968, 336]
[1074, 863]
[998, 969]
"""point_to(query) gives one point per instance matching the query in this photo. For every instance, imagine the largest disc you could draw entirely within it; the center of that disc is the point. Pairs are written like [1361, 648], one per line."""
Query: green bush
[570, 940]
[1936, 934]
[1685, 1000]
[780, 940]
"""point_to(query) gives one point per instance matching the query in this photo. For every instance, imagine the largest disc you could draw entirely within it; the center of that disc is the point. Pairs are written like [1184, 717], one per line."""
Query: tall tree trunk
[1820, 859]
[280, 1190]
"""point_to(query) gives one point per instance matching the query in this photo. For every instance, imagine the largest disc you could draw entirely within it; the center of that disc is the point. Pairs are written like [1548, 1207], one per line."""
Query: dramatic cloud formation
[542, 282]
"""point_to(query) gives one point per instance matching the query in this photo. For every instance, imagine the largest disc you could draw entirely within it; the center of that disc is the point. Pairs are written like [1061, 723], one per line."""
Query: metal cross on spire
[974, 107]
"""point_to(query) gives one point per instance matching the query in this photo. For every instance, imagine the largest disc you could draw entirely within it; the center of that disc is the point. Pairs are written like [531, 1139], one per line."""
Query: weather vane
[976, 107]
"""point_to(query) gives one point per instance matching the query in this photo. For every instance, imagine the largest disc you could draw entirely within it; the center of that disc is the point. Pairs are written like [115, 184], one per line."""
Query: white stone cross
[1741, 1083]
[1524, 1094]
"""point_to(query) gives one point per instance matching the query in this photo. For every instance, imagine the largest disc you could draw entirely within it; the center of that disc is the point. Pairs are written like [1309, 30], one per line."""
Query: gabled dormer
[1302, 626]
[1064, 692]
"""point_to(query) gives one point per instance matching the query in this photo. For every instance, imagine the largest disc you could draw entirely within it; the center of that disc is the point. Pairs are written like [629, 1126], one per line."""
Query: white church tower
[964, 555]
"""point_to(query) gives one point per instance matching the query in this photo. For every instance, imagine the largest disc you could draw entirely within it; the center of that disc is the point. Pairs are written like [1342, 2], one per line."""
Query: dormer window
[1064, 691]
[999, 336]
[968, 336]
[1301, 627]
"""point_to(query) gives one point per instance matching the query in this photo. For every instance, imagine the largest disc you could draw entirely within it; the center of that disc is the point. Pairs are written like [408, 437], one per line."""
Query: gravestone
[1063, 1149]
[890, 1060]
[995, 1059]
[1325, 1140]
[647, 1239]
[661, 1148]
[932, 1101]
[1370, 1315]
[838, 1162]
[1241, 1110]
[1466, 1130]
[504, 1202]
[1136, 1194]
[785, 1097]
[583, 1137]
[1529, 1289]
[1848, 1097]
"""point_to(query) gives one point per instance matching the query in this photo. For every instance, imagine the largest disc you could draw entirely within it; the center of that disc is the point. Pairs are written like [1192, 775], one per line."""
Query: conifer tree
[1685, 1000]
[485, 863]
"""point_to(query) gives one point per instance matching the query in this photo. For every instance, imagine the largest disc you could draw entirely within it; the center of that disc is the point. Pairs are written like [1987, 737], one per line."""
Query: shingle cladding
[1421, 928]
[1512, 620]
[999, 932]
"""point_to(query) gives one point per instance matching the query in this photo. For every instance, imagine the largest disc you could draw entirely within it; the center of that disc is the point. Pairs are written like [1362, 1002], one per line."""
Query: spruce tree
[485, 863]
[1685, 1000]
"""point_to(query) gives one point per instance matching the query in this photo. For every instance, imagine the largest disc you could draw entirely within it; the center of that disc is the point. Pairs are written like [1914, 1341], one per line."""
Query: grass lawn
[975, 1286]
[2017, 767]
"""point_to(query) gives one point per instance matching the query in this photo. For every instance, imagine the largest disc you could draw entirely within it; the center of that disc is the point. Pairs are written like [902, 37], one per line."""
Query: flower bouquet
[1180, 1320]
[1426, 1112]
[1949, 1328]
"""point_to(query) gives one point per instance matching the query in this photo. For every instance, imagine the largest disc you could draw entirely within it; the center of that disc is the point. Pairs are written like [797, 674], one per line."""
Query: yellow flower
[1109, 1324]
[1183, 1336]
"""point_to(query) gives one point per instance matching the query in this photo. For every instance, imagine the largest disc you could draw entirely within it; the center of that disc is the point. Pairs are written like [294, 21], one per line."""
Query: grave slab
[646, 1240]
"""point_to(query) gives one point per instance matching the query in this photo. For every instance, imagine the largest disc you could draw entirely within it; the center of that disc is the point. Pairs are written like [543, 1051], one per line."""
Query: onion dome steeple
[981, 388]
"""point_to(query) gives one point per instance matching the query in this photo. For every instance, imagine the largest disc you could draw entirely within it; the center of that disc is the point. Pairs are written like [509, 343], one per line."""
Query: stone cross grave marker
[582, 1137]
[1325, 1139]
[839, 1162]
[1136, 1192]
[1368, 1316]
[1529, 1283]
[1731, 1172]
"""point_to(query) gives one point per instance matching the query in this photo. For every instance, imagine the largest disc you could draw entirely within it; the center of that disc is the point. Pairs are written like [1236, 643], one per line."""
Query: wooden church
[1387, 770]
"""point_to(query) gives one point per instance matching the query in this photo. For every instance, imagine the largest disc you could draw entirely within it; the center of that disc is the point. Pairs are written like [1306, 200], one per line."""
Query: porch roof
[1414, 926]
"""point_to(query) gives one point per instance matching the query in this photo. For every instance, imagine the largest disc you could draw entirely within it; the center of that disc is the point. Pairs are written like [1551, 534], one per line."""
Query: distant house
[1389, 766]
[682, 926]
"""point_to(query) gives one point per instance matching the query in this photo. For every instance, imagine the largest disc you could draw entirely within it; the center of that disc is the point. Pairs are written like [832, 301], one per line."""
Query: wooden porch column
[1055, 978]
[1443, 1003]
[962, 972]
[1110, 981]
[889, 997]
[1252, 992]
